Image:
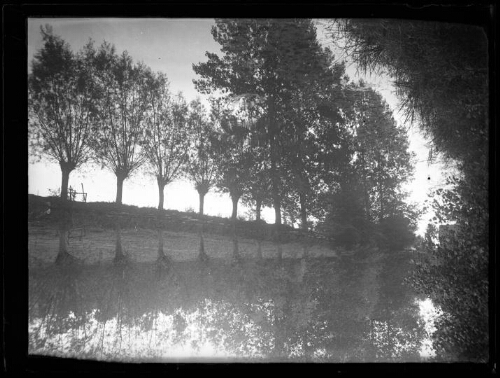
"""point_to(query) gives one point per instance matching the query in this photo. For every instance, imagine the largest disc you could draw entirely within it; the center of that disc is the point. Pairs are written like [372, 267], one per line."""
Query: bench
[73, 193]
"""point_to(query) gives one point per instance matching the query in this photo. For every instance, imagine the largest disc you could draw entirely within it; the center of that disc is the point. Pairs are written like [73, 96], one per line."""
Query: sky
[173, 46]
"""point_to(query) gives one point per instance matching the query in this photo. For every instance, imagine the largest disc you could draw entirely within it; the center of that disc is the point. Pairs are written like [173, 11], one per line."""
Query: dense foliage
[368, 203]
[310, 135]
[440, 71]
[455, 273]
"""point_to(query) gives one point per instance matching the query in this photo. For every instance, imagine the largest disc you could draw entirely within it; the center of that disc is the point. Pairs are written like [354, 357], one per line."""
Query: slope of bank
[104, 216]
[92, 235]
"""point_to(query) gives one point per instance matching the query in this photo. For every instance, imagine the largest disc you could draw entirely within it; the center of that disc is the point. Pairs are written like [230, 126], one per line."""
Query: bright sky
[172, 46]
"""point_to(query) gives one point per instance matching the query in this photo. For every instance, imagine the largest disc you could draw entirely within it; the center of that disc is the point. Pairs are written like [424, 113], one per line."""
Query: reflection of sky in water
[110, 341]
[331, 312]
[194, 339]
[429, 313]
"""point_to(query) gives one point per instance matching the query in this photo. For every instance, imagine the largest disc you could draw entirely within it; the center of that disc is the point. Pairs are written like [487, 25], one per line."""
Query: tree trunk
[274, 158]
[65, 219]
[260, 236]
[277, 242]
[202, 201]
[381, 194]
[366, 195]
[161, 253]
[380, 189]
[276, 198]
[161, 188]
[119, 187]
[235, 200]
[303, 223]
[258, 206]
[65, 181]
[367, 203]
[303, 211]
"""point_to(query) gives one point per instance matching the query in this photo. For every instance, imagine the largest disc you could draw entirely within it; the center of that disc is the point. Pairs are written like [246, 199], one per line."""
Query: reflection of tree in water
[334, 328]
[300, 310]
[163, 260]
[202, 255]
[55, 300]
[396, 328]
[116, 303]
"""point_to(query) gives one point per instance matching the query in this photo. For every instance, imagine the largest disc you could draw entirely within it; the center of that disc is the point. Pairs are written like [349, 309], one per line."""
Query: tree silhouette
[62, 111]
[122, 110]
[262, 61]
[165, 143]
[254, 156]
[231, 143]
[372, 163]
[61, 104]
[382, 155]
[202, 166]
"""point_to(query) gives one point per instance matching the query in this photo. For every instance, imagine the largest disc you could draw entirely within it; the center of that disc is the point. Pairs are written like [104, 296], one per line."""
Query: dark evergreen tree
[368, 165]
[384, 163]
[263, 60]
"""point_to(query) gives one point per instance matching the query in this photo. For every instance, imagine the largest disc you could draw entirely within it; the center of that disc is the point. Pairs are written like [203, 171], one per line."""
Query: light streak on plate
[429, 313]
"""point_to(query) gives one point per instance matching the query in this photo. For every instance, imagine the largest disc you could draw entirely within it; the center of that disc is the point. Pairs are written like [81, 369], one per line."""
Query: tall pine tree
[263, 59]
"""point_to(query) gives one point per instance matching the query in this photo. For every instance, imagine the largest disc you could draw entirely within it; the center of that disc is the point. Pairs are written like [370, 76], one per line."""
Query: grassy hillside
[97, 216]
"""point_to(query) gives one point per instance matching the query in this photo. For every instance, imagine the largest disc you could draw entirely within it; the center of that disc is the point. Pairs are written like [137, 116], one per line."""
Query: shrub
[396, 233]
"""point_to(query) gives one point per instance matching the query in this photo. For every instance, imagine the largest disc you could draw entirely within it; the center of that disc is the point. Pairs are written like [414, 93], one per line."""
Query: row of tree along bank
[287, 129]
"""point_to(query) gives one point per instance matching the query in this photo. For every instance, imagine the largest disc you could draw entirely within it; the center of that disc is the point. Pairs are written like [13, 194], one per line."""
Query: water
[429, 313]
[347, 309]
